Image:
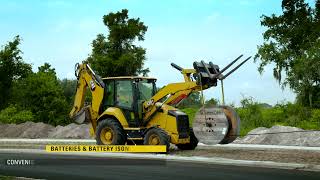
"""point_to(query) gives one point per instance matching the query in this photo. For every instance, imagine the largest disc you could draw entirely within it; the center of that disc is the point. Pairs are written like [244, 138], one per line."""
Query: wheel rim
[154, 140]
[106, 135]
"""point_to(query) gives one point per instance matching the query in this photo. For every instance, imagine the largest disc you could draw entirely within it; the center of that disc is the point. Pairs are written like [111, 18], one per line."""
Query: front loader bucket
[81, 116]
[216, 125]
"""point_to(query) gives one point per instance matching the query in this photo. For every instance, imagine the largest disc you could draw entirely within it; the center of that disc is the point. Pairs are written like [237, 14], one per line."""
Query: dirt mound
[25, 130]
[34, 130]
[281, 135]
[41, 130]
[71, 131]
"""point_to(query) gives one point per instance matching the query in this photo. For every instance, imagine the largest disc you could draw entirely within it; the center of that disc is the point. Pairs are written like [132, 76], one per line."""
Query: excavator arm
[87, 78]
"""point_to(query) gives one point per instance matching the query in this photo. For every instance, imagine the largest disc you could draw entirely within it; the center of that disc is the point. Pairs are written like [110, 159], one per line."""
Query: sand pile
[281, 135]
[71, 131]
[40, 130]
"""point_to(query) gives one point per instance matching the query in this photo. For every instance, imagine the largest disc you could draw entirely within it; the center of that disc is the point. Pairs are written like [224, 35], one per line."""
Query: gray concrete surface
[35, 145]
[100, 166]
[192, 159]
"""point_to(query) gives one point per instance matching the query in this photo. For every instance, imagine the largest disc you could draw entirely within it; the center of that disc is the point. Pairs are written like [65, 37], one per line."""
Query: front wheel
[157, 136]
[192, 144]
[110, 132]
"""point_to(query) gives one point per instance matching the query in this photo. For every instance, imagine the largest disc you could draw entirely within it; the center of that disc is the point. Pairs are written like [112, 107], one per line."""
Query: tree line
[292, 45]
[31, 96]
[42, 97]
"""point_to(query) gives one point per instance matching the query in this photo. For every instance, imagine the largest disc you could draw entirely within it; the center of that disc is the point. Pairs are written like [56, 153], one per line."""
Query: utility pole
[222, 90]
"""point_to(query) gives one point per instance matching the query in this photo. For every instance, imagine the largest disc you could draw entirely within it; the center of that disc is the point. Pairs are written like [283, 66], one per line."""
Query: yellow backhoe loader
[130, 110]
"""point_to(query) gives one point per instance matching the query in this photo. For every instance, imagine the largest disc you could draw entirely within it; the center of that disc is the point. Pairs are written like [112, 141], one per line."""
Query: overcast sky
[179, 31]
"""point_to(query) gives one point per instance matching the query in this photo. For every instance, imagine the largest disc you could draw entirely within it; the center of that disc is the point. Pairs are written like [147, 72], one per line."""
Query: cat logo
[149, 103]
[93, 86]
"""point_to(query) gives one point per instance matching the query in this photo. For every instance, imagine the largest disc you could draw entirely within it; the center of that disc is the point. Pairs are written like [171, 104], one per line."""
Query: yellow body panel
[117, 113]
[174, 88]
[168, 123]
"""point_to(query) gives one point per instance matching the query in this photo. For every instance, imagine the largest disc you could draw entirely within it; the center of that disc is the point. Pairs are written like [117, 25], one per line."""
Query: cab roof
[129, 77]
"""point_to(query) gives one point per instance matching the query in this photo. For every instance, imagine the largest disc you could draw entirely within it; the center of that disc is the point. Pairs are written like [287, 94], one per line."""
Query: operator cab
[128, 94]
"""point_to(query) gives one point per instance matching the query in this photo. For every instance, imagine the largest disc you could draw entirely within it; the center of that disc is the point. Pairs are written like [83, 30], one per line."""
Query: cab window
[109, 93]
[124, 96]
[145, 89]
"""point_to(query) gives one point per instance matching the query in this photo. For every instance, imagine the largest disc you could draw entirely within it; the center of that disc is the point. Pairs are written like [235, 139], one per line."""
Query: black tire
[119, 137]
[162, 136]
[193, 142]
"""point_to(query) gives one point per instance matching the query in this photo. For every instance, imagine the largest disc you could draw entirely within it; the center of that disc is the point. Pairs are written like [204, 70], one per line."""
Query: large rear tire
[193, 142]
[110, 132]
[157, 136]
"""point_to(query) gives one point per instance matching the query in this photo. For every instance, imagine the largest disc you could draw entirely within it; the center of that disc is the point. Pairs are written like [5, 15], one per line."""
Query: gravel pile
[281, 135]
[40, 130]
[71, 131]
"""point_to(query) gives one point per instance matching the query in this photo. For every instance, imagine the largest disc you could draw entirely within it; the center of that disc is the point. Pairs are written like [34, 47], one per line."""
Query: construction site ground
[309, 156]
[282, 155]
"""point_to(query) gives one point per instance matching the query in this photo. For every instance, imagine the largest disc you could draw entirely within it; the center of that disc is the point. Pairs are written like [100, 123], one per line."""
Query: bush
[287, 114]
[273, 115]
[42, 94]
[315, 116]
[251, 115]
[12, 114]
[191, 112]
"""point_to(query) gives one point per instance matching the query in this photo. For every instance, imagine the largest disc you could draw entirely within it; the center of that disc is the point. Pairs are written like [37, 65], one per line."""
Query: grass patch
[191, 112]
[7, 177]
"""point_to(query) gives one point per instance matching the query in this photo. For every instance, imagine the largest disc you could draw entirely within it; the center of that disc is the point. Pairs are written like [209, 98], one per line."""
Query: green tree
[117, 55]
[46, 68]
[69, 88]
[194, 100]
[12, 68]
[42, 94]
[292, 44]
[212, 102]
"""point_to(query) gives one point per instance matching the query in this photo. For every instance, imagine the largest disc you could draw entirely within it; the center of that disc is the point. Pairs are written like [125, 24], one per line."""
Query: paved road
[52, 166]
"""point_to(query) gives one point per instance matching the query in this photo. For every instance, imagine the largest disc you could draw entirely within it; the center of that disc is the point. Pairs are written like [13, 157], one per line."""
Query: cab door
[125, 100]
